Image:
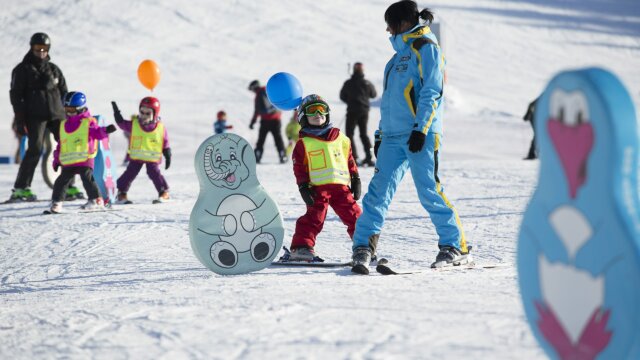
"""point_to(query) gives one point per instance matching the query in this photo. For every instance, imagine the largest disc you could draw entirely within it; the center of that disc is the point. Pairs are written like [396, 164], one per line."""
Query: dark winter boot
[361, 259]
[258, 155]
[283, 156]
[450, 256]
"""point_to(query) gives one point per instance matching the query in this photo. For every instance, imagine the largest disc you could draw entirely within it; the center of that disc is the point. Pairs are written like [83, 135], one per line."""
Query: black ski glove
[356, 186]
[376, 144]
[116, 112]
[20, 124]
[111, 128]
[253, 123]
[167, 157]
[307, 193]
[416, 141]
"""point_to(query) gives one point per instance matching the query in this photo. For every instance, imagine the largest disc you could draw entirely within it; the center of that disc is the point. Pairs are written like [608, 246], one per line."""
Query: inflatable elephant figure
[235, 226]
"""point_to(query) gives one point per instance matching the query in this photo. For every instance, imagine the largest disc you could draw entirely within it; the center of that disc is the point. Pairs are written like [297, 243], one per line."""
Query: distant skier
[410, 134]
[292, 131]
[356, 92]
[76, 150]
[148, 142]
[37, 88]
[269, 122]
[530, 117]
[220, 125]
[324, 168]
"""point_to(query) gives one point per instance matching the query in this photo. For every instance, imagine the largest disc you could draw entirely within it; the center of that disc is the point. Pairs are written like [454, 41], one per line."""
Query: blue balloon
[284, 91]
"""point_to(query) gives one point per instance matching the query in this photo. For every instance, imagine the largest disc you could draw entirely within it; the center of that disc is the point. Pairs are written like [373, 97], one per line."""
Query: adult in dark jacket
[269, 122]
[37, 88]
[356, 92]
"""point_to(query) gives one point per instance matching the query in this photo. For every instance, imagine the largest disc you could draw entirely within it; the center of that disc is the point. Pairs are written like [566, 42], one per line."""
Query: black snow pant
[275, 128]
[36, 132]
[359, 119]
[66, 177]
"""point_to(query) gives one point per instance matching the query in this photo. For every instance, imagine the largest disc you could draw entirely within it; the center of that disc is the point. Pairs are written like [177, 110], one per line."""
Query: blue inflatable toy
[235, 226]
[284, 91]
[105, 169]
[579, 243]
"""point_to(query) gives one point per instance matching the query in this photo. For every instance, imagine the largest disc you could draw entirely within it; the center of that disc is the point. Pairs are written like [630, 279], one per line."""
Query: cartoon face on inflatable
[235, 227]
[579, 243]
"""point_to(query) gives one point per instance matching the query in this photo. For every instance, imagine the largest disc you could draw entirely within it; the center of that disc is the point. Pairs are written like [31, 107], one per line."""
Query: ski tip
[360, 269]
[385, 270]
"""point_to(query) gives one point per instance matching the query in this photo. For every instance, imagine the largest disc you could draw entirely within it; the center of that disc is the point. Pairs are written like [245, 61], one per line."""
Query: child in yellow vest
[324, 168]
[76, 150]
[292, 130]
[147, 143]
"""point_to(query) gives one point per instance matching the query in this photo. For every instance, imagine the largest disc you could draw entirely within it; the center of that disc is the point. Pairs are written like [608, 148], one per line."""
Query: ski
[384, 269]
[49, 212]
[285, 260]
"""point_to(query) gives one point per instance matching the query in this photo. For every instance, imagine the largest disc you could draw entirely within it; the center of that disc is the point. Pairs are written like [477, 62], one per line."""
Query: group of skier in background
[409, 136]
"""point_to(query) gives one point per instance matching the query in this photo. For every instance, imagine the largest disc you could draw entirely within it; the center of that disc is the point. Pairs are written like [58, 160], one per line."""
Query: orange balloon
[149, 74]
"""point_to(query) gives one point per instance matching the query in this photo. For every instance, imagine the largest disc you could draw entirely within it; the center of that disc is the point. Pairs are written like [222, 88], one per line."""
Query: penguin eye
[570, 108]
[232, 156]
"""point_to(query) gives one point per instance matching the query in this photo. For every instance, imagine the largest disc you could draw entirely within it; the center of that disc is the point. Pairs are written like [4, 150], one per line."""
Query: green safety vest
[146, 145]
[327, 160]
[74, 146]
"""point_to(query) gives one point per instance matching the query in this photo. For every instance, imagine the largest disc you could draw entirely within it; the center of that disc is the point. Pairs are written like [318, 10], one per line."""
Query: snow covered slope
[125, 284]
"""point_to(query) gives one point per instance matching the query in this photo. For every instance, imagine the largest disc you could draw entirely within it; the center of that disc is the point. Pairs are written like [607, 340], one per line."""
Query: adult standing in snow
[269, 122]
[37, 88]
[409, 137]
[530, 117]
[356, 93]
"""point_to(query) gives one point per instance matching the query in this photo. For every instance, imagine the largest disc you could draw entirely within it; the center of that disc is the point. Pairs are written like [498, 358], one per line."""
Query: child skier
[220, 126]
[147, 143]
[78, 146]
[324, 167]
[292, 130]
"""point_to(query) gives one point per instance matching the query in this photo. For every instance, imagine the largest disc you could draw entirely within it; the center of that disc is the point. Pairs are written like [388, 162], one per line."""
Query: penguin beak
[572, 136]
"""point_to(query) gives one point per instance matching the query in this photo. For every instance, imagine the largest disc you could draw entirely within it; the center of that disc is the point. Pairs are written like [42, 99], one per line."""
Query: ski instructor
[37, 88]
[409, 137]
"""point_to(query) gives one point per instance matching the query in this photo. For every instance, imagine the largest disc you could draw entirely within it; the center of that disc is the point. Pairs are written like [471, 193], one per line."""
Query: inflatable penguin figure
[579, 244]
[235, 227]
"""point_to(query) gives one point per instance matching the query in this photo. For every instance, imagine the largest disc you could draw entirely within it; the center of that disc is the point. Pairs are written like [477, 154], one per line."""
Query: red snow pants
[309, 225]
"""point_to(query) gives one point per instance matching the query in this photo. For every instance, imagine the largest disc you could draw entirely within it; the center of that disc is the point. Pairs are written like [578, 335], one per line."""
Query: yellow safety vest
[74, 146]
[327, 160]
[146, 145]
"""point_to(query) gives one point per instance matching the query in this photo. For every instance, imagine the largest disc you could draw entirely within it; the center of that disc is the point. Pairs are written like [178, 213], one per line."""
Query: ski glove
[307, 193]
[116, 112]
[20, 124]
[167, 156]
[416, 141]
[253, 123]
[356, 186]
[111, 128]
[376, 144]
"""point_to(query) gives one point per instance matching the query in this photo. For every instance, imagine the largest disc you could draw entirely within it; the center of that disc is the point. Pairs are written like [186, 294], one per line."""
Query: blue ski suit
[411, 100]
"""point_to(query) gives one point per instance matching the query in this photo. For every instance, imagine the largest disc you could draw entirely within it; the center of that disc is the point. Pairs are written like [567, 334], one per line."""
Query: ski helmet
[76, 100]
[254, 85]
[221, 114]
[153, 104]
[310, 100]
[40, 39]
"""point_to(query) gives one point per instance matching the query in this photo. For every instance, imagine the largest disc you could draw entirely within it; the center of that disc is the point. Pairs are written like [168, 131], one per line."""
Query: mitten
[356, 186]
[116, 112]
[307, 193]
[111, 128]
[167, 156]
[416, 141]
[20, 124]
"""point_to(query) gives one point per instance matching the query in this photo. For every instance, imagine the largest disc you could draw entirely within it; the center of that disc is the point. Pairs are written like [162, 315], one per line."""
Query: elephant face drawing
[224, 162]
[235, 226]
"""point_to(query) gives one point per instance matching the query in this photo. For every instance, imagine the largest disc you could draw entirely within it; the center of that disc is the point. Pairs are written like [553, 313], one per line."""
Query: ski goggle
[70, 110]
[40, 48]
[316, 108]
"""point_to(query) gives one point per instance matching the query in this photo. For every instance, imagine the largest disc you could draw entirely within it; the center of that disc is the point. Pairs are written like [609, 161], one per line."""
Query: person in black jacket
[530, 116]
[356, 92]
[269, 122]
[37, 89]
